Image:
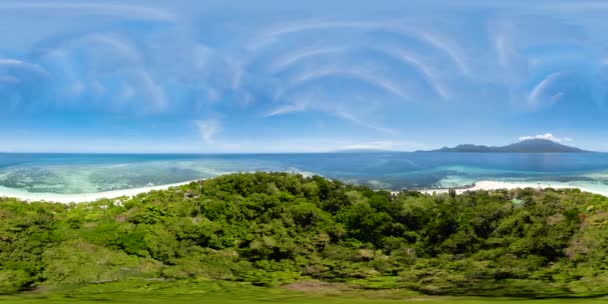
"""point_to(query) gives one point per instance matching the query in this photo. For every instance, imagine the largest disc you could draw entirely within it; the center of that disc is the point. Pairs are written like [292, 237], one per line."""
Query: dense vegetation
[225, 292]
[275, 229]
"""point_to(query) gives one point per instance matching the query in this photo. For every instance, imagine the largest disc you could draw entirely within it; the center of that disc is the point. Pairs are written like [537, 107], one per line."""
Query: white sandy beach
[497, 185]
[81, 198]
[90, 197]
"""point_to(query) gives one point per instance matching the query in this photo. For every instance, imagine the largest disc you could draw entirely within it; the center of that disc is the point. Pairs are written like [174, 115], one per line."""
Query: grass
[138, 292]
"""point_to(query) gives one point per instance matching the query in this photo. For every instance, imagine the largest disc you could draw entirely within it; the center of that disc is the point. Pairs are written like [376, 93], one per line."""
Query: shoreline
[83, 197]
[486, 185]
[489, 185]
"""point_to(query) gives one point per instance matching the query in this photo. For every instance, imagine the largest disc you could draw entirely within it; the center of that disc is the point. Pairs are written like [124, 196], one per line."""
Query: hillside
[525, 146]
[275, 229]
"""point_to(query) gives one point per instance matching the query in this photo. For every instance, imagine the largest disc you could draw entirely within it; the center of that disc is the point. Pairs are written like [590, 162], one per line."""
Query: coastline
[82, 197]
[489, 185]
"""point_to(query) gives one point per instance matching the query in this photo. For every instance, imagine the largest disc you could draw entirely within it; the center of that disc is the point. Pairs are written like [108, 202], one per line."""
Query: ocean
[92, 173]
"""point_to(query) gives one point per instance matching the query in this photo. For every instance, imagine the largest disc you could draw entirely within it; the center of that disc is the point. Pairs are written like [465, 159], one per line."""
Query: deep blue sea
[89, 173]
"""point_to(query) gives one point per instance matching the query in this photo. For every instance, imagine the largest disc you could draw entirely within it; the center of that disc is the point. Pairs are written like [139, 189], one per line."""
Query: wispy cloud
[287, 108]
[352, 70]
[542, 86]
[10, 62]
[7, 79]
[500, 43]
[447, 47]
[295, 27]
[209, 128]
[428, 73]
[439, 43]
[153, 90]
[131, 11]
[341, 111]
[385, 84]
[292, 58]
[19, 64]
[366, 124]
[567, 6]
[118, 46]
[92, 63]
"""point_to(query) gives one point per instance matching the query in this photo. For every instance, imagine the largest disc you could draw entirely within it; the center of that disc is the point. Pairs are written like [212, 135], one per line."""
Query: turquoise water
[89, 173]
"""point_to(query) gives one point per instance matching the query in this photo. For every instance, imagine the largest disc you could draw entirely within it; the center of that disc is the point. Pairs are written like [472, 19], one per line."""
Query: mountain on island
[525, 146]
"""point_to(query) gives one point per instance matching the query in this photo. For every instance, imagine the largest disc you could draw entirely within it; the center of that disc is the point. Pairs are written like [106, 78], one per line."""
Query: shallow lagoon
[90, 173]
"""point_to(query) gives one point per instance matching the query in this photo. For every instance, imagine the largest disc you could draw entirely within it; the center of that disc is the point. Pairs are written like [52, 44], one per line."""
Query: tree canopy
[276, 228]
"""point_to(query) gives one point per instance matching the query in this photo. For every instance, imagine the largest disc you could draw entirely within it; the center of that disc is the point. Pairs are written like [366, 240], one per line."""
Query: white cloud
[209, 129]
[547, 136]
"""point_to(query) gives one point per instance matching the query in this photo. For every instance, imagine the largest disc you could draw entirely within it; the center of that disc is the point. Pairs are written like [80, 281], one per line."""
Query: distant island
[525, 146]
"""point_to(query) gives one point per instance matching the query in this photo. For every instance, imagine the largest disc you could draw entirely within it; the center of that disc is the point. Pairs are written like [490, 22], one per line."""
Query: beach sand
[90, 197]
[80, 198]
[497, 185]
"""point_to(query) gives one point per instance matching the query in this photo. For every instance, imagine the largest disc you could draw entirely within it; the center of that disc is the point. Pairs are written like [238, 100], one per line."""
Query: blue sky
[276, 76]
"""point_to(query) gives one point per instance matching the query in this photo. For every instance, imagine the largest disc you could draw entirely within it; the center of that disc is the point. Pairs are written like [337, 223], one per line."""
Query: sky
[313, 76]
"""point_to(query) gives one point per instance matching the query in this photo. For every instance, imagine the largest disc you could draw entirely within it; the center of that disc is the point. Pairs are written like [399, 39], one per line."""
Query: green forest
[271, 230]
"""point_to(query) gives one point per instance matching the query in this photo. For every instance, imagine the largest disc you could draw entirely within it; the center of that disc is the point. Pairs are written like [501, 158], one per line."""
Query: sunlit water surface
[89, 173]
